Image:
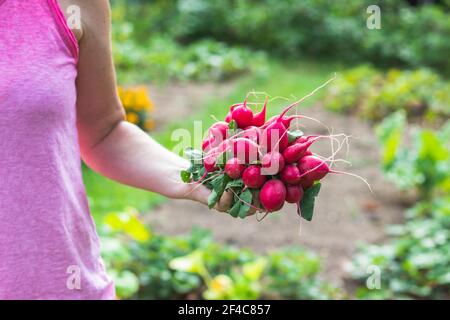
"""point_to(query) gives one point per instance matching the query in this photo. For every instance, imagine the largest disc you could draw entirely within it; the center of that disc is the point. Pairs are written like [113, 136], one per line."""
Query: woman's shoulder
[85, 15]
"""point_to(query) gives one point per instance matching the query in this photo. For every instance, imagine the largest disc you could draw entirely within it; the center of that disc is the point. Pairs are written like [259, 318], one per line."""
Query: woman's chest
[34, 90]
[37, 78]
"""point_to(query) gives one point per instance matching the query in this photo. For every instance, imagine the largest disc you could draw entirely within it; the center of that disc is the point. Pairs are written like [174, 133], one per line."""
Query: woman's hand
[200, 194]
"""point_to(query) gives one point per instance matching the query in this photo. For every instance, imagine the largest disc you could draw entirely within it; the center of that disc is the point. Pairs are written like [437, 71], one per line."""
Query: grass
[290, 80]
[106, 196]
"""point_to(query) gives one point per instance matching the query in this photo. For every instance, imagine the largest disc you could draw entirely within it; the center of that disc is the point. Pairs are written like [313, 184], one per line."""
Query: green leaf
[193, 262]
[232, 125]
[307, 203]
[238, 183]
[213, 199]
[218, 184]
[196, 175]
[127, 283]
[234, 211]
[253, 270]
[246, 197]
[128, 222]
[222, 159]
[431, 147]
[195, 156]
[185, 176]
[390, 133]
[293, 135]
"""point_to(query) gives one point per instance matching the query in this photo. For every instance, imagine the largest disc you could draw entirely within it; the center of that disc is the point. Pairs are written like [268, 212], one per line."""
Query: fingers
[253, 210]
[225, 201]
[202, 193]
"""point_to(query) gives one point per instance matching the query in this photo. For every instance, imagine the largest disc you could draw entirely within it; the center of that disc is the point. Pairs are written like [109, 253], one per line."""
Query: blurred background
[179, 61]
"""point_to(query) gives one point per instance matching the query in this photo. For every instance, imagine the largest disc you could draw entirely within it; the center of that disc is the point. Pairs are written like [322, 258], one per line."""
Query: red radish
[271, 120]
[306, 183]
[216, 134]
[223, 146]
[308, 153]
[219, 129]
[211, 157]
[252, 133]
[273, 195]
[313, 167]
[290, 174]
[209, 161]
[274, 137]
[272, 163]
[294, 152]
[245, 150]
[301, 139]
[228, 118]
[243, 116]
[294, 194]
[253, 178]
[260, 118]
[285, 120]
[234, 168]
[208, 144]
[278, 125]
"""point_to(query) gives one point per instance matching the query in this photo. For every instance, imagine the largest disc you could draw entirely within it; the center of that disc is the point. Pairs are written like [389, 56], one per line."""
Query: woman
[58, 102]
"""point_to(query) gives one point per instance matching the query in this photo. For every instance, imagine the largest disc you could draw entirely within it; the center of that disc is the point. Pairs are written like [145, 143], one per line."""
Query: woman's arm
[111, 146]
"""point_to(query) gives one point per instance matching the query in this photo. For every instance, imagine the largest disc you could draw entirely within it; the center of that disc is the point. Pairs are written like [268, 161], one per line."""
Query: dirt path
[186, 99]
[346, 211]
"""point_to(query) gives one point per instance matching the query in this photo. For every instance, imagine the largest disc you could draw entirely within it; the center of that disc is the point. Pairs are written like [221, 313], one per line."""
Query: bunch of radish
[264, 163]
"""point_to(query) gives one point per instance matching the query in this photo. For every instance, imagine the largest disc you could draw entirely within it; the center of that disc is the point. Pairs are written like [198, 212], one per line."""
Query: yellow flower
[132, 117]
[221, 284]
[149, 124]
[143, 101]
[136, 99]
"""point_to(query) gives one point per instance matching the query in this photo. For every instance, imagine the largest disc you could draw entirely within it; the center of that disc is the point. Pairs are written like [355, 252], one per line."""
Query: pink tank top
[49, 248]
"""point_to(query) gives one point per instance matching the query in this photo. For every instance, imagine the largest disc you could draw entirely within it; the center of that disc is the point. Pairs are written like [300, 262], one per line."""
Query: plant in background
[145, 265]
[415, 263]
[138, 106]
[373, 94]
[423, 165]
[292, 274]
[349, 89]
[239, 284]
[119, 229]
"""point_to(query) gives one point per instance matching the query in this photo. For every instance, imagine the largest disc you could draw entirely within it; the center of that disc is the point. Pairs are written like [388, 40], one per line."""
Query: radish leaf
[234, 211]
[238, 183]
[307, 203]
[185, 176]
[293, 135]
[218, 187]
[245, 196]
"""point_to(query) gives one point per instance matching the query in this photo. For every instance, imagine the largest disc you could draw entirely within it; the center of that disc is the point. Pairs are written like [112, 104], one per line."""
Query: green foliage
[308, 200]
[292, 274]
[218, 182]
[330, 29]
[373, 95]
[151, 266]
[423, 164]
[160, 58]
[416, 261]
